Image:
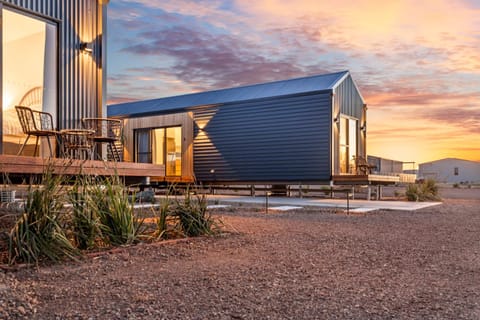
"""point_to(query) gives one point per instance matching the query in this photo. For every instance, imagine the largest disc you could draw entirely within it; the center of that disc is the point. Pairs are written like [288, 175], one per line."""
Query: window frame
[348, 144]
[150, 130]
[57, 51]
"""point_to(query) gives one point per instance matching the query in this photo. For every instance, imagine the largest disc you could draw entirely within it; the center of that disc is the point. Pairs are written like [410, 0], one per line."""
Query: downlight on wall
[86, 47]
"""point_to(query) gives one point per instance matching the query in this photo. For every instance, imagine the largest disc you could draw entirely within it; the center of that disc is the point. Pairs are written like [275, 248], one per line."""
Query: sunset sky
[417, 63]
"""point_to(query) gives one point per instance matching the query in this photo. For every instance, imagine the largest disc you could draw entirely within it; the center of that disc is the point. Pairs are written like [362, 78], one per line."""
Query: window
[161, 146]
[348, 144]
[455, 171]
[29, 72]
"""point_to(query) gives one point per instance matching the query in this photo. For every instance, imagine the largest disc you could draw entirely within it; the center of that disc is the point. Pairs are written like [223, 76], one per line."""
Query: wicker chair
[362, 166]
[38, 124]
[108, 131]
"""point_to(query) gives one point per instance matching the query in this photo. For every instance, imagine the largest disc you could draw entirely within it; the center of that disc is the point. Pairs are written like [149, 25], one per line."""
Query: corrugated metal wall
[347, 101]
[80, 74]
[277, 139]
[350, 101]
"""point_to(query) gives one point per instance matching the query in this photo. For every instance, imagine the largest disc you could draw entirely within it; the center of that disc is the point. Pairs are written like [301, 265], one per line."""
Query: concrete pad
[285, 208]
[326, 203]
[146, 205]
[218, 206]
[361, 210]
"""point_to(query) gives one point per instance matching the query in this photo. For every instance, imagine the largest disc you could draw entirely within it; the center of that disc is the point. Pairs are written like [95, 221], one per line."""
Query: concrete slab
[285, 208]
[146, 205]
[362, 210]
[218, 206]
[329, 203]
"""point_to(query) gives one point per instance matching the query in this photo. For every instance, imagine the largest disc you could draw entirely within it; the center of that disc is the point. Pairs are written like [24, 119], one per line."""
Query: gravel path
[308, 264]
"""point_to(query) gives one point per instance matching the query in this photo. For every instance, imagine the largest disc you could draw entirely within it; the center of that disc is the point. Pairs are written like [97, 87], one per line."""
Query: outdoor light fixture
[336, 119]
[364, 127]
[86, 47]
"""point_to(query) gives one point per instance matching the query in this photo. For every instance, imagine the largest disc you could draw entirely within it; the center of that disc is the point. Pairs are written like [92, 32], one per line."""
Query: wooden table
[76, 143]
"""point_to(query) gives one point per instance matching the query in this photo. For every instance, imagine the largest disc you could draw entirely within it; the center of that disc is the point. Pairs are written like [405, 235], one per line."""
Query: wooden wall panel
[178, 119]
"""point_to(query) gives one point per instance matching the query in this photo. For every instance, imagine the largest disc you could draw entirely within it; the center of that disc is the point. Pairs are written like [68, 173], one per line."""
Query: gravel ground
[305, 264]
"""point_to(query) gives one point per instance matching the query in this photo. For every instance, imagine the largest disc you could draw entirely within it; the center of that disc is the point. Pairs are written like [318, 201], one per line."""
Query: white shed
[451, 170]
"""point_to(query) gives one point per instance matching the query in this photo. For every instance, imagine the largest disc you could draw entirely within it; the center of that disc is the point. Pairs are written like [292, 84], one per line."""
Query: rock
[22, 310]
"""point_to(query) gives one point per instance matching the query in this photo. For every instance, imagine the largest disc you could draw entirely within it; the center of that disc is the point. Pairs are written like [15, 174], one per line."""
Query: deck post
[369, 193]
[379, 191]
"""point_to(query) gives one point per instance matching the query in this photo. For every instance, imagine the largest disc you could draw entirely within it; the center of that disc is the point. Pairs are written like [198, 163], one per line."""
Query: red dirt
[306, 264]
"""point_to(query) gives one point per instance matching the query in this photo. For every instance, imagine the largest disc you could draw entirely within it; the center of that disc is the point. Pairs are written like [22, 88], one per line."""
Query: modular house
[304, 130]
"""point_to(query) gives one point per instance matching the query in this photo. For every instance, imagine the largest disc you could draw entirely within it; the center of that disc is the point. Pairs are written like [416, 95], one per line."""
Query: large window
[160, 146]
[29, 72]
[348, 144]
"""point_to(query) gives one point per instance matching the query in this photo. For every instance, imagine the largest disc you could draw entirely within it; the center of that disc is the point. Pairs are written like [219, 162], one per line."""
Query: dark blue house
[304, 130]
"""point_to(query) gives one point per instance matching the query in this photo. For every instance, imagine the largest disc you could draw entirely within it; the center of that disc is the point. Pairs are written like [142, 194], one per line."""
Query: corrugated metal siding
[348, 98]
[279, 139]
[80, 77]
[348, 101]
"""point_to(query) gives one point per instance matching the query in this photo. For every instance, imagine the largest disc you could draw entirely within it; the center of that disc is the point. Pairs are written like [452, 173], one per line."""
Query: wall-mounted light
[336, 119]
[364, 127]
[86, 47]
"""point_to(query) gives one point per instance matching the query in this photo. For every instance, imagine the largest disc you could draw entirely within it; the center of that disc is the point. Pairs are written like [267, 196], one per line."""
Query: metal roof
[257, 91]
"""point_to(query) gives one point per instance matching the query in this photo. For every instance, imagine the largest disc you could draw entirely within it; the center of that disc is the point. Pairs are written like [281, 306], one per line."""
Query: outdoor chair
[38, 124]
[109, 131]
[362, 166]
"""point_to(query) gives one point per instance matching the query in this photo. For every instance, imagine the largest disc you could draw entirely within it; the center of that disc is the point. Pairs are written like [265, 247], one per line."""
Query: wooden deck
[371, 179]
[34, 165]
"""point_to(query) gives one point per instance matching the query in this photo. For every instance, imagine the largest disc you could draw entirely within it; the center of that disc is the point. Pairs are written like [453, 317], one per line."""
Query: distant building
[451, 170]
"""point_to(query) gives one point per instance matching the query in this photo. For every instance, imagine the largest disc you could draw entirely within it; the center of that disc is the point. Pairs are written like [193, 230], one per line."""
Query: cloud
[213, 61]
[416, 63]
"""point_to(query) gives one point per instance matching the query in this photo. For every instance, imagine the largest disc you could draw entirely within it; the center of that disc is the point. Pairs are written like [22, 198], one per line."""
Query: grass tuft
[39, 232]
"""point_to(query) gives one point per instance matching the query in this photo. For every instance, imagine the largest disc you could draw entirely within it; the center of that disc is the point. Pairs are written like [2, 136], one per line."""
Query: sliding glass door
[160, 146]
[29, 73]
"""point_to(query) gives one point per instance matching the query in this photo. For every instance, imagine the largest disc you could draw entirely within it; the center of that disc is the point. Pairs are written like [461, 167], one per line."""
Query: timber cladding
[185, 120]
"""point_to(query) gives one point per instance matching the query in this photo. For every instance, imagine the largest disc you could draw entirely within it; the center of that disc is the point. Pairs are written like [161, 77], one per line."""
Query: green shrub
[39, 232]
[193, 217]
[115, 211]
[188, 214]
[85, 222]
[162, 218]
[426, 191]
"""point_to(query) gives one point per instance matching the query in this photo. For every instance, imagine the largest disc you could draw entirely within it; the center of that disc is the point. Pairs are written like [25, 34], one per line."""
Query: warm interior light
[7, 100]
